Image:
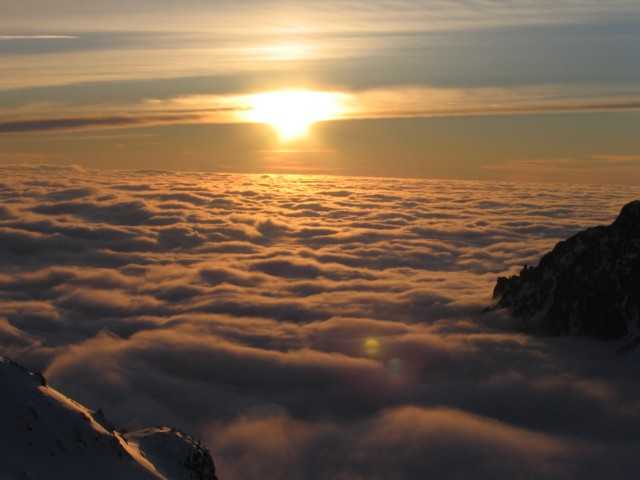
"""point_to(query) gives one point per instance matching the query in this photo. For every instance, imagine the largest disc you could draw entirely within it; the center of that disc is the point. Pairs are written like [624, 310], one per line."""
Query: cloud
[358, 103]
[617, 159]
[38, 37]
[62, 124]
[12, 338]
[608, 168]
[406, 442]
[339, 318]
[332, 16]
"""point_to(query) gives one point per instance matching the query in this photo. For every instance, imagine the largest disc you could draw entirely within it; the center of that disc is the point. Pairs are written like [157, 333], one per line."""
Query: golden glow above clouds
[284, 51]
[292, 112]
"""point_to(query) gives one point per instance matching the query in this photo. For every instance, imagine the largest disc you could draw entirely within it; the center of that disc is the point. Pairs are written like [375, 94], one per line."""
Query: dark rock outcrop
[587, 285]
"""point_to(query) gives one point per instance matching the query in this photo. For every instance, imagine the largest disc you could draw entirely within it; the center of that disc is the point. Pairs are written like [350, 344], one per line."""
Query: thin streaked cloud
[401, 102]
[310, 16]
[38, 37]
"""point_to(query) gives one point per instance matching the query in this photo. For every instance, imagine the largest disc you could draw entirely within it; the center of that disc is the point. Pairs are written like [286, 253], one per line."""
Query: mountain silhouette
[587, 285]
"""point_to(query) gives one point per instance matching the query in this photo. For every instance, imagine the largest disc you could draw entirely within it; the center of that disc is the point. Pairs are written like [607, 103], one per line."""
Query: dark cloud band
[82, 123]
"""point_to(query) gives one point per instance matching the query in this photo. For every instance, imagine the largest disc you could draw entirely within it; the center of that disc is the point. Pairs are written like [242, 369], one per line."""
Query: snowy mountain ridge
[48, 435]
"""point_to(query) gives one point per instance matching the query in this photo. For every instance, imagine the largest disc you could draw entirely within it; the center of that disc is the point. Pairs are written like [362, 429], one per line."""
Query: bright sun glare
[292, 112]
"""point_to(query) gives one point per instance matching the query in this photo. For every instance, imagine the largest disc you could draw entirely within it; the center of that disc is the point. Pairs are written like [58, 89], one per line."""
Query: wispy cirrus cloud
[312, 15]
[38, 37]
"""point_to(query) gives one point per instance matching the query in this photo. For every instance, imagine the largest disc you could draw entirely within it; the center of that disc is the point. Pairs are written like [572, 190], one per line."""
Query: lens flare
[372, 346]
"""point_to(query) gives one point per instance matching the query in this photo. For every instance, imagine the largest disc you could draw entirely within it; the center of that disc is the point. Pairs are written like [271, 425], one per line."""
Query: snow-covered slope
[45, 435]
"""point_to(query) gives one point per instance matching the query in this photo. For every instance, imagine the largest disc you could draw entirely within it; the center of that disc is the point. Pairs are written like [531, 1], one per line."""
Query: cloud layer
[313, 327]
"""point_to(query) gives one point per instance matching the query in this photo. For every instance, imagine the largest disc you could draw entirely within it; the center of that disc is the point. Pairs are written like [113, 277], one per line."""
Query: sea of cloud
[314, 327]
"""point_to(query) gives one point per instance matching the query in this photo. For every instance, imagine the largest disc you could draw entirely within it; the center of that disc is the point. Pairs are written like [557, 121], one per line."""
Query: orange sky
[532, 91]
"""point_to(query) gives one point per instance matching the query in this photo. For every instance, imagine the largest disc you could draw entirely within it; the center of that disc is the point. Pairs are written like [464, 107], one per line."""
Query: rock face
[45, 434]
[587, 285]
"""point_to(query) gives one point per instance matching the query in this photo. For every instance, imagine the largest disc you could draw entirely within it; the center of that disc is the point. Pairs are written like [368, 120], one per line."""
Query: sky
[472, 89]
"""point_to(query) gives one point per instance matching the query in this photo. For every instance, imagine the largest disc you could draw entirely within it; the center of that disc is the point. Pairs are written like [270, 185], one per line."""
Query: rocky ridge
[588, 285]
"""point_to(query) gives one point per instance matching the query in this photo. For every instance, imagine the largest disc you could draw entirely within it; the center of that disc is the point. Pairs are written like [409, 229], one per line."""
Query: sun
[292, 112]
